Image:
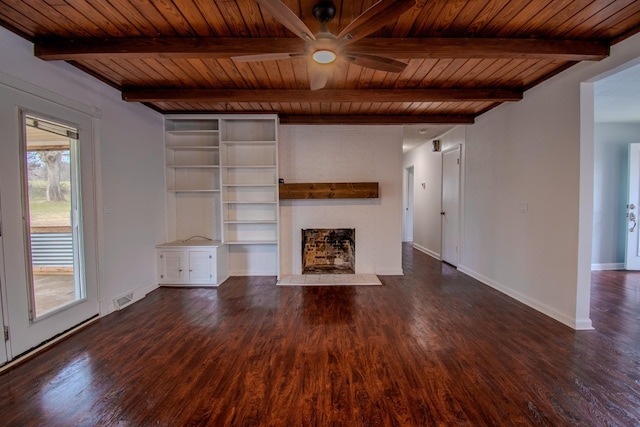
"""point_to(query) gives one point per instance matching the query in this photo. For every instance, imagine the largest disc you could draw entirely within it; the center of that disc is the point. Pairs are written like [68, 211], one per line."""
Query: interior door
[3, 342]
[450, 204]
[29, 327]
[408, 209]
[632, 255]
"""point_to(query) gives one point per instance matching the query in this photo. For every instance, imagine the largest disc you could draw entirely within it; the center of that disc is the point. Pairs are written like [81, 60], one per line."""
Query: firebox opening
[329, 251]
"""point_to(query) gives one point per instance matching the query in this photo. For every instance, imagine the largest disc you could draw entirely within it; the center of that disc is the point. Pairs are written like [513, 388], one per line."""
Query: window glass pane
[51, 192]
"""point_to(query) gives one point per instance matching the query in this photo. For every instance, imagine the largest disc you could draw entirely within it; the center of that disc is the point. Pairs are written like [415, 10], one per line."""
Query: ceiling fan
[324, 48]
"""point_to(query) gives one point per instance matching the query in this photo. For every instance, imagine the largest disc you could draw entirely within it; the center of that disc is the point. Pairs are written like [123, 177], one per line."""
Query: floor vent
[123, 301]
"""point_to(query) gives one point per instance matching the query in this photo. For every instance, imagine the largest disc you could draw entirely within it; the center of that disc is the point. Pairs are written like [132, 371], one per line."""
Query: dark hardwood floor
[433, 347]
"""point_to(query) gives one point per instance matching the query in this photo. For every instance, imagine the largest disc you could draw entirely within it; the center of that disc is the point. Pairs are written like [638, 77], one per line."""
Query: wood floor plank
[432, 347]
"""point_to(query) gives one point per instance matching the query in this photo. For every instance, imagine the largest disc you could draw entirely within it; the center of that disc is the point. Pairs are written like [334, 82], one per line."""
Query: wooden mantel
[329, 190]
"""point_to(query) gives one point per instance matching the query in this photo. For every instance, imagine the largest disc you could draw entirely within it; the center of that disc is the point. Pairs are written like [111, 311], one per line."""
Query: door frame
[582, 318]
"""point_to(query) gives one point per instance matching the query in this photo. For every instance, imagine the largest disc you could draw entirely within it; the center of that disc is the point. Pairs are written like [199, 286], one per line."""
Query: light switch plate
[524, 207]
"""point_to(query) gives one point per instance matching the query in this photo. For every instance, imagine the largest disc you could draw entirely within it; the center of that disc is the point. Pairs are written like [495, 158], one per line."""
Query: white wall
[132, 159]
[131, 185]
[427, 233]
[344, 154]
[531, 151]
[610, 192]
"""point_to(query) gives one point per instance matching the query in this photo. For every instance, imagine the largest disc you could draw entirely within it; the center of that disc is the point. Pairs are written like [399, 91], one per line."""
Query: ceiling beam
[320, 119]
[464, 47]
[325, 95]
[400, 48]
[155, 47]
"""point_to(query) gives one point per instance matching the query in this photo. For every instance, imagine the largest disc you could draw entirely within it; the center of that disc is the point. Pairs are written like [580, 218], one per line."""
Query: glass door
[49, 218]
[52, 215]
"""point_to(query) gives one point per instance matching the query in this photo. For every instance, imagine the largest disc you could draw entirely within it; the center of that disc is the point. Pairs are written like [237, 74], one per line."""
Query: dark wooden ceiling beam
[570, 50]
[325, 95]
[321, 119]
[401, 48]
[166, 47]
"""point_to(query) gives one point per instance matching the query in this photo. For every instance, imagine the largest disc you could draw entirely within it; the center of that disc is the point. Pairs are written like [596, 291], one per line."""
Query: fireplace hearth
[329, 251]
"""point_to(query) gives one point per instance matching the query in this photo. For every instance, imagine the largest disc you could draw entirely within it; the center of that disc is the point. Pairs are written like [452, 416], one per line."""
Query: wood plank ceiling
[463, 57]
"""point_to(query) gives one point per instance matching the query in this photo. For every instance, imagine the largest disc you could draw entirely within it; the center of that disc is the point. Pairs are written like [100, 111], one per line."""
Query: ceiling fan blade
[377, 16]
[319, 76]
[376, 62]
[286, 17]
[265, 57]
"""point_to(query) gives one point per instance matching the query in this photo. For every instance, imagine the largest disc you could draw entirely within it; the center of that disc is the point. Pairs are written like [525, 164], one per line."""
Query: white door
[632, 255]
[28, 121]
[450, 204]
[408, 205]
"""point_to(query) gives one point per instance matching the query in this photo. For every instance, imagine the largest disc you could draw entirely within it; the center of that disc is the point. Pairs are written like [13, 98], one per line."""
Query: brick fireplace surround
[328, 251]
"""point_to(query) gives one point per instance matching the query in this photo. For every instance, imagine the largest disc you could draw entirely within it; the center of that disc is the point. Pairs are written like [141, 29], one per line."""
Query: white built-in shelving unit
[249, 175]
[222, 188]
[192, 154]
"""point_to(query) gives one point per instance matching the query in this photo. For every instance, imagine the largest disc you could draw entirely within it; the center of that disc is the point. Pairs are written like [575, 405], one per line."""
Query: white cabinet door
[198, 264]
[172, 266]
[201, 266]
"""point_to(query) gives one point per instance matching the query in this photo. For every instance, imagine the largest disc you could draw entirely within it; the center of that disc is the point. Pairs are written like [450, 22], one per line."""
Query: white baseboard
[429, 252]
[607, 266]
[252, 273]
[392, 272]
[107, 306]
[578, 324]
[583, 325]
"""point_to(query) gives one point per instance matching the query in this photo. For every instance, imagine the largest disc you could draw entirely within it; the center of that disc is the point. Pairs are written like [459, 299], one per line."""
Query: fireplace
[329, 251]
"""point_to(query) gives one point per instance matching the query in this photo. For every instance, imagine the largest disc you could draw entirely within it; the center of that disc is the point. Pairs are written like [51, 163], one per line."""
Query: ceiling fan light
[324, 56]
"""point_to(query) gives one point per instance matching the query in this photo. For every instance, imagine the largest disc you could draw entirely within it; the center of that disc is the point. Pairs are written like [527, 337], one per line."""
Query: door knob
[632, 217]
[441, 213]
